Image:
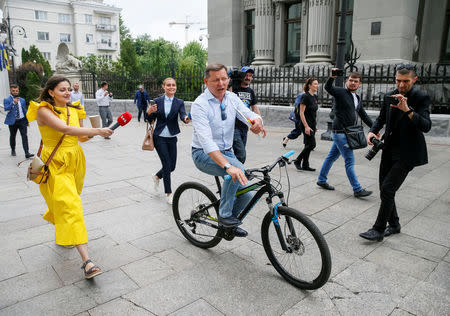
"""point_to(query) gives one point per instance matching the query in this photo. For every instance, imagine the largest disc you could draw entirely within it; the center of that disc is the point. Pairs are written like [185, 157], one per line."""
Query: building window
[88, 19]
[250, 35]
[64, 38]
[64, 18]
[348, 23]
[107, 56]
[105, 20]
[40, 15]
[89, 38]
[445, 55]
[43, 36]
[46, 55]
[293, 32]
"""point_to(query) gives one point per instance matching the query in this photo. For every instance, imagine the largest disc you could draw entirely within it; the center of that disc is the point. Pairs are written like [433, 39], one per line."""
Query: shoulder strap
[59, 143]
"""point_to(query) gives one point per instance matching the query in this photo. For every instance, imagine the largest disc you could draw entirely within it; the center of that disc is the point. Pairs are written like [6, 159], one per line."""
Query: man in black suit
[404, 145]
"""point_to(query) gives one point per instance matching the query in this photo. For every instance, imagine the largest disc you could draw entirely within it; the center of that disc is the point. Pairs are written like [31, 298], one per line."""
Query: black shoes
[362, 193]
[283, 143]
[308, 169]
[13, 153]
[372, 235]
[28, 155]
[239, 232]
[325, 185]
[229, 221]
[390, 230]
[297, 164]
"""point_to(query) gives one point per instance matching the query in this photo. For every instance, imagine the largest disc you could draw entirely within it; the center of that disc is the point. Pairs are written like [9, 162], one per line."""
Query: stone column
[320, 27]
[264, 33]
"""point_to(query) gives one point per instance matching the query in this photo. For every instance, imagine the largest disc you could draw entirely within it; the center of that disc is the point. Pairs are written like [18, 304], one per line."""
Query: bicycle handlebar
[266, 168]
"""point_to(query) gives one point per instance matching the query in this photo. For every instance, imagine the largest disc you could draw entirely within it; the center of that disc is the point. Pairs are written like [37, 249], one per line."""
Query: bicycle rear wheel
[196, 215]
[306, 263]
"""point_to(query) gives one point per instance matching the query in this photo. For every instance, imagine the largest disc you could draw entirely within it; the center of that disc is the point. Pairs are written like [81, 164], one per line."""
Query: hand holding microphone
[122, 120]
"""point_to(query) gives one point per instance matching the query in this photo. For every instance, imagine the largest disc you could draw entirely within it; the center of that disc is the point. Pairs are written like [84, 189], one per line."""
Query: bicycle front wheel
[195, 209]
[306, 261]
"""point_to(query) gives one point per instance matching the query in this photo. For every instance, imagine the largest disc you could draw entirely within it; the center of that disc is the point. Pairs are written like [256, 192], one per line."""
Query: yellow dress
[67, 169]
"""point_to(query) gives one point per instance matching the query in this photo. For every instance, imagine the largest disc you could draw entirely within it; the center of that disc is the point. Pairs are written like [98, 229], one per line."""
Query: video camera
[236, 77]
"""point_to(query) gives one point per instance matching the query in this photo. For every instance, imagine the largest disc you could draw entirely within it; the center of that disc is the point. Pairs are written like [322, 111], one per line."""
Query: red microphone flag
[122, 120]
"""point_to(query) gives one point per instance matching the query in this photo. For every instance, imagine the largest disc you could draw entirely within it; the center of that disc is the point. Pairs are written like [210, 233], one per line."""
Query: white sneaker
[169, 199]
[155, 183]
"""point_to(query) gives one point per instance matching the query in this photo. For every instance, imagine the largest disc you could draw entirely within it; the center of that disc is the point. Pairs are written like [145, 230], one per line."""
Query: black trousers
[166, 147]
[142, 111]
[310, 144]
[393, 173]
[296, 132]
[20, 125]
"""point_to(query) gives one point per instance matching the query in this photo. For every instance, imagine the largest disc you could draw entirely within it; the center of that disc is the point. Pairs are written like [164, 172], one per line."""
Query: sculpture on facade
[65, 61]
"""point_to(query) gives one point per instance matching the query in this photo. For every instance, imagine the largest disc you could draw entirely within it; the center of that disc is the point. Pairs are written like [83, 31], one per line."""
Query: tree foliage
[33, 86]
[124, 31]
[35, 56]
[26, 79]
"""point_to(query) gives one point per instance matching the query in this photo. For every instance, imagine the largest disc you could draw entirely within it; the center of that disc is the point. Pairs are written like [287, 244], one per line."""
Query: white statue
[65, 61]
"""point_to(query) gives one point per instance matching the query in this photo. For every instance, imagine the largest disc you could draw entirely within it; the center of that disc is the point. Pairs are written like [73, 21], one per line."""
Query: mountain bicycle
[294, 245]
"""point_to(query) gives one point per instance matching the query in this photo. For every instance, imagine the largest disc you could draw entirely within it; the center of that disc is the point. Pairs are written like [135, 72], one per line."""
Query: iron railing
[280, 85]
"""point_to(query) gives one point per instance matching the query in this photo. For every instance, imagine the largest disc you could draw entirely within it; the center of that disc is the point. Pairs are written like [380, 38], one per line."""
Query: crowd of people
[221, 119]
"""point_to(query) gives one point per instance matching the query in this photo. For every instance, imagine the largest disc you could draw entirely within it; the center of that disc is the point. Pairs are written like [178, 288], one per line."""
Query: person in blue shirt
[16, 119]
[165, 111]
[213, 117]
[141, 100]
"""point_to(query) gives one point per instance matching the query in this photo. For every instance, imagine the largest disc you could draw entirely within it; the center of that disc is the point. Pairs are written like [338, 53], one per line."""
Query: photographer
[405, 113]
[103, 98]
[247, 95]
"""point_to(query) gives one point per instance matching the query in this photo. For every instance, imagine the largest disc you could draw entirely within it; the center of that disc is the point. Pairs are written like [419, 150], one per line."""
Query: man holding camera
[103, 98]
[247, 95]
[405, 113]
[347, 107]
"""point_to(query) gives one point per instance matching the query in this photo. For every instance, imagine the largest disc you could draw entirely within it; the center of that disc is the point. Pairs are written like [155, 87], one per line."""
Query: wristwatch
[226, 166]
[409, 111]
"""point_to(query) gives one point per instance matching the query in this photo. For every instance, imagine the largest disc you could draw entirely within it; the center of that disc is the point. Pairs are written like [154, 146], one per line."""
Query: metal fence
[280, 85]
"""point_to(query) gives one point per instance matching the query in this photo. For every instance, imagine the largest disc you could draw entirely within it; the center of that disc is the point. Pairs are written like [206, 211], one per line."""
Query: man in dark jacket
[17, 120]
[347, 107]
[404, 145]
[141, 100]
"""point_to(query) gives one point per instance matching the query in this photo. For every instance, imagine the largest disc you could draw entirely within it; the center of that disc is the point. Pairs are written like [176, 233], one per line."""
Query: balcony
[106, 27]
[107, 45]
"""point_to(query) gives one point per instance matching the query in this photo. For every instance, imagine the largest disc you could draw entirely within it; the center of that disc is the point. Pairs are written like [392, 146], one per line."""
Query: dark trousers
[296, 132]
[20, 125]
[239, 143]
[142, 110]
[392, 174]
[166, 147]
[310, 144]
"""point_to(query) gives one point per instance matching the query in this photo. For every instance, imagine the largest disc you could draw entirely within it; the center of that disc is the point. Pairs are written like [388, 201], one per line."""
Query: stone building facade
[290, 32]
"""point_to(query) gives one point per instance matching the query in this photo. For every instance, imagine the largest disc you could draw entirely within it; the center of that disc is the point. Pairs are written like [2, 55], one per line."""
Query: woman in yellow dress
[68, 166]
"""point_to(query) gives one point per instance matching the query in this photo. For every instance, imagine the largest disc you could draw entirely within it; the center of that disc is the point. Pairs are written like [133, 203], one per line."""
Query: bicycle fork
[276, 223]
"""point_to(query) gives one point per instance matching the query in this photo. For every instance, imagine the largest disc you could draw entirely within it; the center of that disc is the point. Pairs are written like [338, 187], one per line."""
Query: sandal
[68, 246]
[91, 273]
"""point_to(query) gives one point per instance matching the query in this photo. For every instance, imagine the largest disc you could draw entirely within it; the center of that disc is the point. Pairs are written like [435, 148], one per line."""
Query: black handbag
[356, 138]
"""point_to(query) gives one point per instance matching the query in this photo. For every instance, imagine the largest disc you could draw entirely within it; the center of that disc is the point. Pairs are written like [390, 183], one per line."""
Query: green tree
[33, 86]
[199, 54]
[94, 63]
[159, 57]
[128, 61]
[35, 56]
[123, 30]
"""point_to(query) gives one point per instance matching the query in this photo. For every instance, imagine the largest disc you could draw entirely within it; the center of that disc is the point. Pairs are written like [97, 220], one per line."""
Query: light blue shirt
[211, 133]
[75, 96]
[167, 107]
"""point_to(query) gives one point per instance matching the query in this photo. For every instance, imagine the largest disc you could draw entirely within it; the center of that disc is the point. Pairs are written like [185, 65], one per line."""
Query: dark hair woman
[308, 116]
[166, 112]
[67, 168]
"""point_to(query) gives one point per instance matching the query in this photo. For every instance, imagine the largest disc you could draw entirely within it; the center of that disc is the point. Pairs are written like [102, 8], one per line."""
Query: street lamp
[9, 30]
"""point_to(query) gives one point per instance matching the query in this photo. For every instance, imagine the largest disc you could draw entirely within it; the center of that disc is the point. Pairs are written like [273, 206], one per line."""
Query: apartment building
[87, 27]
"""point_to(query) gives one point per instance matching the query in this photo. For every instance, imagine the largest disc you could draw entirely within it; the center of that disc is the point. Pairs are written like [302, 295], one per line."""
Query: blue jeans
[239, 143]
[340, 147]
[229, 204]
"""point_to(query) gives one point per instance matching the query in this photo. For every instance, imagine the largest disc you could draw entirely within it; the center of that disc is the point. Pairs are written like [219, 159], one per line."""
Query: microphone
[122, 120]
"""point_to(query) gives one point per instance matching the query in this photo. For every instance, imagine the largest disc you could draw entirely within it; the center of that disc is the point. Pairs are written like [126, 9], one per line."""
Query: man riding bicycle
[213, 117]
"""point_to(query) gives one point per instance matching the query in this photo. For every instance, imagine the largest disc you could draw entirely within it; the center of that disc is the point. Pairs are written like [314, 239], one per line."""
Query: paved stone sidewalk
[150, 269]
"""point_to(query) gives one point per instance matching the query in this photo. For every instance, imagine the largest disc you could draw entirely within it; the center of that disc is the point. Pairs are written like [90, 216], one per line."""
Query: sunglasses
[222, 112]
[404, 66]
